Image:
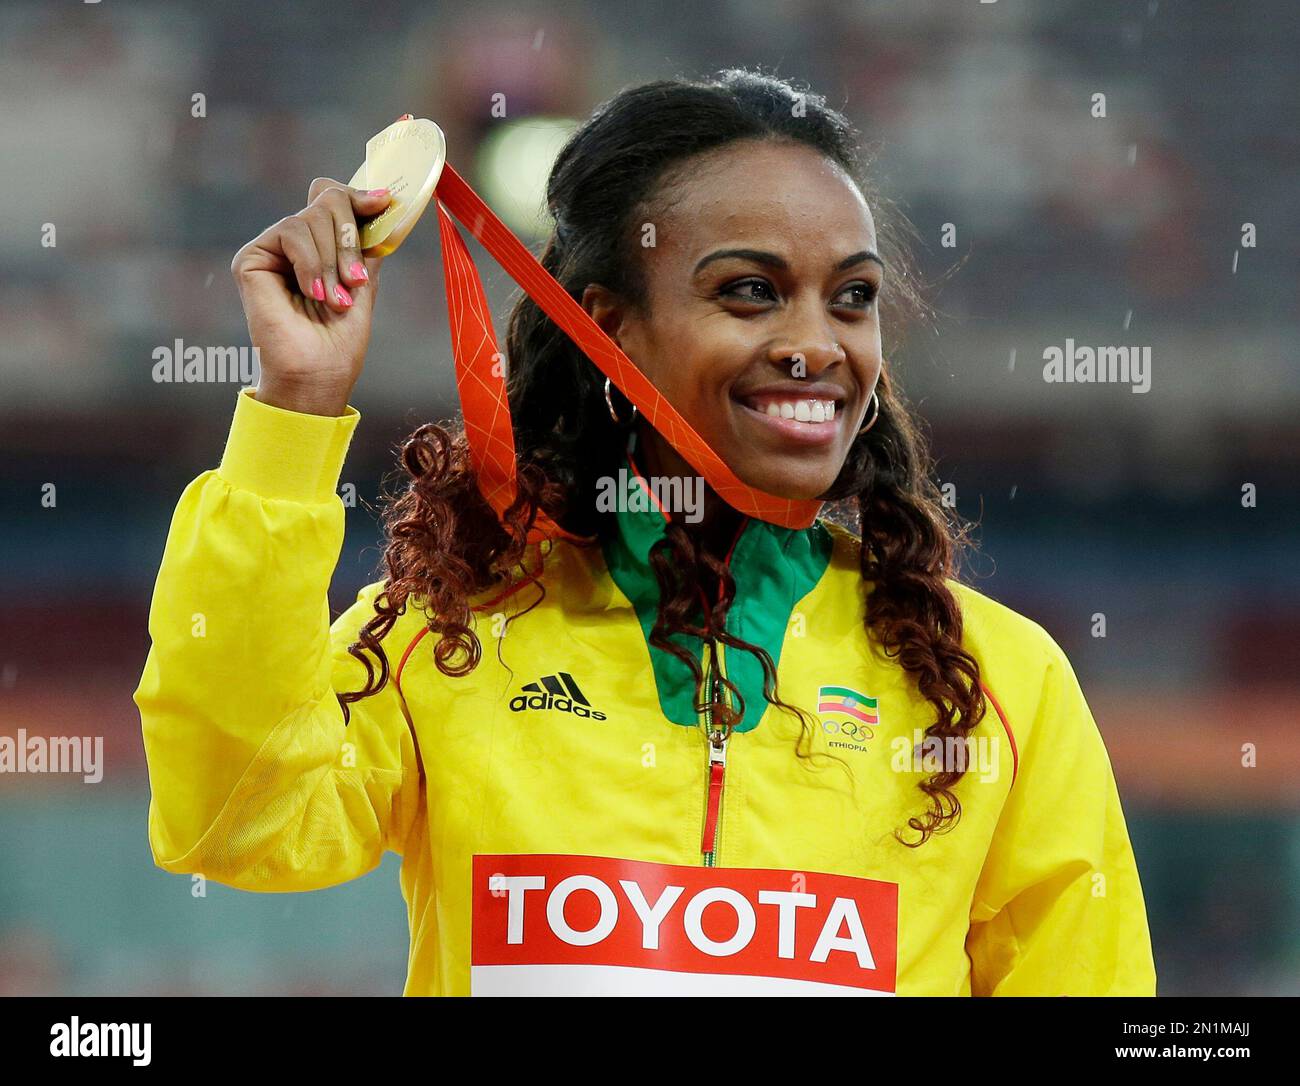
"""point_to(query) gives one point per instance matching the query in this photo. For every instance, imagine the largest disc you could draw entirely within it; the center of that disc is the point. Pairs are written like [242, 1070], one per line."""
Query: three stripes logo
[559, 691]
[861, 709]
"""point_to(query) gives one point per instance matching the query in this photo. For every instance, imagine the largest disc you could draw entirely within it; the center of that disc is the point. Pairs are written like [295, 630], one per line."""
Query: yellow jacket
[564, 821]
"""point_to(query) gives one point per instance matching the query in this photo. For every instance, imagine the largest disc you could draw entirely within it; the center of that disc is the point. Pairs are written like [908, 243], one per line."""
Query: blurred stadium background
[1120, 230]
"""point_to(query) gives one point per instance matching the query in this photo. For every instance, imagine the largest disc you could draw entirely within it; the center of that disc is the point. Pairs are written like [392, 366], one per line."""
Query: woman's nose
[806, 356]
[807, 344]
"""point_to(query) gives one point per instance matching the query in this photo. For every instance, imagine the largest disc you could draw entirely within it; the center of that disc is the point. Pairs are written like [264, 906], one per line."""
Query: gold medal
[407, 158]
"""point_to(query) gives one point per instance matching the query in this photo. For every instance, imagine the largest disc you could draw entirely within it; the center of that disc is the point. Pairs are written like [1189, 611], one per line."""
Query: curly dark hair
[445, 545]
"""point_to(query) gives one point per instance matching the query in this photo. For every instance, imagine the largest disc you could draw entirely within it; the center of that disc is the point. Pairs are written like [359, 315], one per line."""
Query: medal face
[406, 157]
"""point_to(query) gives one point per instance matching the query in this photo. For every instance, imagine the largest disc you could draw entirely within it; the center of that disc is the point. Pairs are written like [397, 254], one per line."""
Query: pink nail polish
[358, 270]
[318, 290]
[376, 192]
[343, 297]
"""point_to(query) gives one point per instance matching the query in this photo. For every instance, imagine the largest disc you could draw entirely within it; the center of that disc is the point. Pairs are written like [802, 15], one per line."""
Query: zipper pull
[718, 747]
[717, 770]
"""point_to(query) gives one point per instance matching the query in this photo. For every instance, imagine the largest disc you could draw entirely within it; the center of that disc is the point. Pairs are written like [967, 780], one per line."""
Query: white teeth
[802, 410]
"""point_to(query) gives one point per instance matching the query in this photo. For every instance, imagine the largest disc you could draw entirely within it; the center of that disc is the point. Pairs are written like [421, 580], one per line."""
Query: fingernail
[358, 270]
[377, 192]
[318, 289]
[341, 294]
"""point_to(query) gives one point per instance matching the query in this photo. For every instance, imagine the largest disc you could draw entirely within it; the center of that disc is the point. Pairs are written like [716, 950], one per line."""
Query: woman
[704, 753]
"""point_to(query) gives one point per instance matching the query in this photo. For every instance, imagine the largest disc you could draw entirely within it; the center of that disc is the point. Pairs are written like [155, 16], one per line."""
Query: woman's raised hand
[309, 299]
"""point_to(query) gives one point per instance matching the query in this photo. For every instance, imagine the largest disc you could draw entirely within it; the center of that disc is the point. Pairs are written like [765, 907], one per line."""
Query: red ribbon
[480, 367]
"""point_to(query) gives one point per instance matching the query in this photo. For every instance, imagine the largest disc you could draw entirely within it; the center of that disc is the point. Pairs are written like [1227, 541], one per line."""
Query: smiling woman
[703, 764]
[761, 344]
[772, 345]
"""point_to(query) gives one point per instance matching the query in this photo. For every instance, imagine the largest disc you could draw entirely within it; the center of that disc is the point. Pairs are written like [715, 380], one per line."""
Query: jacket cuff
[286, 455]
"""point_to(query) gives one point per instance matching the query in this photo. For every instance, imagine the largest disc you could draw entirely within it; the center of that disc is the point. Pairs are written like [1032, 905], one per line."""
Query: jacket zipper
[717, 739]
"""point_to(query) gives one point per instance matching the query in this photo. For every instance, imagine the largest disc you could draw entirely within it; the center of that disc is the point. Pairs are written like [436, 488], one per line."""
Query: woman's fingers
[327, 288]
[333, 216]
[352, 268]
[299, 246]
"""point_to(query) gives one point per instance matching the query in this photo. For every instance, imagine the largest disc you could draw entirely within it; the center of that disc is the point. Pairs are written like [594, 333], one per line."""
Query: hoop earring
[876, 400]
[610, 404]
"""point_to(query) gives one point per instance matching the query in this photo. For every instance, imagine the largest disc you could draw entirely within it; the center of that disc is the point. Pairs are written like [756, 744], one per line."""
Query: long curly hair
[445, 545]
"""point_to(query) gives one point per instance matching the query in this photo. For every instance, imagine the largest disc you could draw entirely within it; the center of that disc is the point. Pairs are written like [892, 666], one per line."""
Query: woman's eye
[742, 290]
[864, 294]
[860, 295]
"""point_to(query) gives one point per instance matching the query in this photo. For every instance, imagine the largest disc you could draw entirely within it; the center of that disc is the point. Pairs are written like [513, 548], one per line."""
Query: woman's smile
[805, 416]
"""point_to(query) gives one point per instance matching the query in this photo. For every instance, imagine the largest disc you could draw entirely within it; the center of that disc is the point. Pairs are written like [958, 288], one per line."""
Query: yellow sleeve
[256, 781]
[1058, 909]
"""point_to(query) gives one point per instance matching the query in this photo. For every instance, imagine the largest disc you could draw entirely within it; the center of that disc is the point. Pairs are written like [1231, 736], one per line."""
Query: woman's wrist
[306, 400]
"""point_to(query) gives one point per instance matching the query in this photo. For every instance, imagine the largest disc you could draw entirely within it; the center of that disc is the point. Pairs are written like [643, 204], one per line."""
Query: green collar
[773, 567]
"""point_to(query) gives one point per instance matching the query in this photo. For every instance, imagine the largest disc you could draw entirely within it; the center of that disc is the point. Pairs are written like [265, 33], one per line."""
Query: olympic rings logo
[859, 733]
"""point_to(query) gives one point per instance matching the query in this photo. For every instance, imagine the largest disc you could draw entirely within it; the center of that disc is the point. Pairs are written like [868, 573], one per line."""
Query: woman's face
[762, 328]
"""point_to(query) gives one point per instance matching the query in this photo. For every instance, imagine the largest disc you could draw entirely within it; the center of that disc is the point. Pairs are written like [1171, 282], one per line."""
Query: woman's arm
[1058, 909]
[256, 782]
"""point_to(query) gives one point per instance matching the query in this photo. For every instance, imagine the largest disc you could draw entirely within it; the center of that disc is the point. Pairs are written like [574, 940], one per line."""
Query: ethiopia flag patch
[840, 699]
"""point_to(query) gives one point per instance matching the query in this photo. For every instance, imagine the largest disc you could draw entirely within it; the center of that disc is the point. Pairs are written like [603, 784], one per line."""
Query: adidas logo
[558, 691]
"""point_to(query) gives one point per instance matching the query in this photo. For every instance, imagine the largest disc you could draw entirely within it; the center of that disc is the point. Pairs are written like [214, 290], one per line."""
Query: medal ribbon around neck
[480, 368]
